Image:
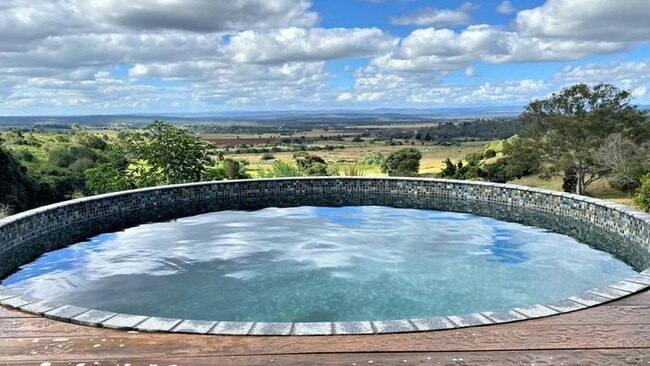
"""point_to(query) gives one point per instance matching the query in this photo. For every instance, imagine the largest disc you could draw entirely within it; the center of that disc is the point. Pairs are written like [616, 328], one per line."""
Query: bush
[642, 196]
[403, 162]
[280, 169]
[373, 158]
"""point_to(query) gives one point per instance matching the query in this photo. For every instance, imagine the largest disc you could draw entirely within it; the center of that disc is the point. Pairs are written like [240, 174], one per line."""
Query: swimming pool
[321, 256]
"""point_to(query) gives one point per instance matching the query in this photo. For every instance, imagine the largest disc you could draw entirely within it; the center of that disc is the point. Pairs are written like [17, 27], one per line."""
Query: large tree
[571, 125]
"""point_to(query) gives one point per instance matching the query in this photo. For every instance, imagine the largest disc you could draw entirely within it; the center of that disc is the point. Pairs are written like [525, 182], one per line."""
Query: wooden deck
[617, 333]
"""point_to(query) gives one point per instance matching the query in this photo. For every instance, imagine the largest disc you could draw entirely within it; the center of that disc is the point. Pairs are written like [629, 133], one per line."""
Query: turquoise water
[319, 264]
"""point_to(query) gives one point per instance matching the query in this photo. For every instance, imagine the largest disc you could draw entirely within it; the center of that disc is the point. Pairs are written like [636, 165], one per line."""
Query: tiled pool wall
[617, 229]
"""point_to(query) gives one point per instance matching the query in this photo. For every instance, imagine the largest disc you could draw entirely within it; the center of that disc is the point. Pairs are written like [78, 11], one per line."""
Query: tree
[624, 160]
[114, 174]
[403, 162]
[171, 153]
[571, 126]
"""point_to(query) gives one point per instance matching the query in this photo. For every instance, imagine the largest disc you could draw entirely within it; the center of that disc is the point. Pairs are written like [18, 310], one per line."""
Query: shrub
[642, 196]
[403, 162]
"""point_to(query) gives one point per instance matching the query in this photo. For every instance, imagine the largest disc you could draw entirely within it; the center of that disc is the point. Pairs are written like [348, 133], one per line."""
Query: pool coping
[99, 318]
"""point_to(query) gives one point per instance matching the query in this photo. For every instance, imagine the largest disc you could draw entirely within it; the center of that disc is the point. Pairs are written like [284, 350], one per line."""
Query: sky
[61, 57]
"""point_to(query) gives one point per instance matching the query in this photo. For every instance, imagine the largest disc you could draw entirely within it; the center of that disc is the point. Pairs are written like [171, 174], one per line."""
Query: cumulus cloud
[588, 20]
[118, 55]
[437, 17]
[300, 44]
[198, 15]
[443, 50]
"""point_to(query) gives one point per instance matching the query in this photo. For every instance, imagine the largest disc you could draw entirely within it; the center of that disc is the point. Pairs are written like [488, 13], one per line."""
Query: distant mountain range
[375, 115]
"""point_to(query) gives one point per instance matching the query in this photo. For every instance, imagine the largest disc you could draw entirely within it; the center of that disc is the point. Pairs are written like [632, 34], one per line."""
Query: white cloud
[588, 20]
[198, 15]
[505, 8]
[443, 50]
[201, 54]
[436, 17]
[314, 44]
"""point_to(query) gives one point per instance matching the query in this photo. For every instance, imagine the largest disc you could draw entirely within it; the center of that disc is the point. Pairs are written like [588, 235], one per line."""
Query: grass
[433, 156]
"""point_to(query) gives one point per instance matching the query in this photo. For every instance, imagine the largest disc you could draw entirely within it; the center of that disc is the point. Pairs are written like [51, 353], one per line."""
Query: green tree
[403, 162]
[172, 153]
[113, 175]
[572, 124]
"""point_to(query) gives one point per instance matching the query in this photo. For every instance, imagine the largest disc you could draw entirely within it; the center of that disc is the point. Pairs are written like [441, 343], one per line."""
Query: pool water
[319, 264]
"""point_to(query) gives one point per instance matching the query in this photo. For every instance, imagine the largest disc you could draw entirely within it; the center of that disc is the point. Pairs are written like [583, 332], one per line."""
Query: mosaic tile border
[29, 234]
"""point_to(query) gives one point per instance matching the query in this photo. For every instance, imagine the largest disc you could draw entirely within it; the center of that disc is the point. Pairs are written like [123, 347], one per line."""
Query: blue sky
[120, 56]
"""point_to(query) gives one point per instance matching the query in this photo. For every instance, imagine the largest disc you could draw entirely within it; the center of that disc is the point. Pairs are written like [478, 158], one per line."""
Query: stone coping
[107, 319]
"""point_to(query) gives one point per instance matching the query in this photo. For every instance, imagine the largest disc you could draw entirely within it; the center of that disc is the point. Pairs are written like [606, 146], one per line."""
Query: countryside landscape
[51, 160]
[324, 182]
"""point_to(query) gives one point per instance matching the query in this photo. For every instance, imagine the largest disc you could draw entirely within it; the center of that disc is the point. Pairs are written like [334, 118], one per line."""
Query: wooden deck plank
[617, 331]
[496, 358]
[18, 327]
[486, 338]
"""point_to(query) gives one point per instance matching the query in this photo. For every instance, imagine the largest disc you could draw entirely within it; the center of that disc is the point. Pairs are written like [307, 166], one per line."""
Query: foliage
[112, 175]
[571, 126]
[403, 162]
[278, 169]
[520, 158]
[267, 156]
[489, 153]
[311, 165]
[5, 210]
[172, 154]
[351, 170]
[624, 160]
[227, 169]
[642, 196]
[373, 158]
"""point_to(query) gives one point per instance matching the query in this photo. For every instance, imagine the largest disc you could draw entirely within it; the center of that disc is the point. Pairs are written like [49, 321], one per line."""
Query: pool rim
[100, 318]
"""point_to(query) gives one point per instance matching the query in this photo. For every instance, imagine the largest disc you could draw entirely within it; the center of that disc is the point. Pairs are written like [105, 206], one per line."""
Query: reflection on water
[318, 264]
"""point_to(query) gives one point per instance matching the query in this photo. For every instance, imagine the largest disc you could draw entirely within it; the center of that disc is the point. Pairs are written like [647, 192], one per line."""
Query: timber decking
[617, 333]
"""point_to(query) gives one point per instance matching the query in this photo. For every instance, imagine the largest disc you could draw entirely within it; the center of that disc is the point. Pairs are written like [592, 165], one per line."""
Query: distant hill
[365, 116]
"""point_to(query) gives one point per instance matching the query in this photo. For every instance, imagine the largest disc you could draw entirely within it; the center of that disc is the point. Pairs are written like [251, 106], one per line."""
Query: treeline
[582, 134]
[479, 129]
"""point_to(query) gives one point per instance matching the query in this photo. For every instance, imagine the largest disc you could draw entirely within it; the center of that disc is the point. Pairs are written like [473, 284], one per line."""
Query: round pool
[319, 264]
[322, 256]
